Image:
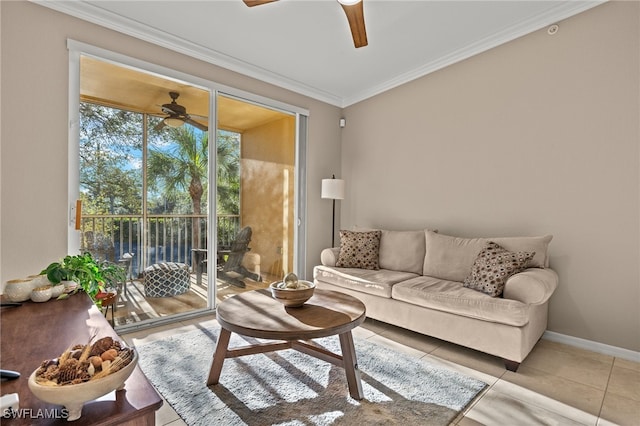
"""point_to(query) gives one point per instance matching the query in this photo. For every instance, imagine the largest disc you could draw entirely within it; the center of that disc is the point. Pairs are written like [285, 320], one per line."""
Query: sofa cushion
[539, 245]
[451, 296]
[451, 258]
[402, 250]
[359, 250]
[376, 282]
[493, 266]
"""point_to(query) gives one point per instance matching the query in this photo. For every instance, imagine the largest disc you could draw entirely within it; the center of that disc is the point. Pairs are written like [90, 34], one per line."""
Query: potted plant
[59, 272]
[96, 278]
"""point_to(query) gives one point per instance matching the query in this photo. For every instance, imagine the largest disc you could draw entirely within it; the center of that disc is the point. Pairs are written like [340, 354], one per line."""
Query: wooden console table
[34, 332]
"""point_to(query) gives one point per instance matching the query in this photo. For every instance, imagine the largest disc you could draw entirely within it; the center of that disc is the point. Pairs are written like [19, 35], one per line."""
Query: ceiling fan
[355, 15]
[177, 115]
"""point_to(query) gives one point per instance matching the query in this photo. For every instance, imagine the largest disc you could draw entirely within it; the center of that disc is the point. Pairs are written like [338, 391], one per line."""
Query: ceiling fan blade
[204, 117]
[252, 3]
[159, 126]
[196, 124]
[355, 16]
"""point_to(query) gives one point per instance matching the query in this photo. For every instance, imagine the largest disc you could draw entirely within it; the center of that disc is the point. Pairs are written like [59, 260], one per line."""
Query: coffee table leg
[351, 365]
[219, 357]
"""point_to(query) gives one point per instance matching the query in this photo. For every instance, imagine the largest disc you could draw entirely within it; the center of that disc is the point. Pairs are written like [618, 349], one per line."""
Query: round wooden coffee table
[257, 314]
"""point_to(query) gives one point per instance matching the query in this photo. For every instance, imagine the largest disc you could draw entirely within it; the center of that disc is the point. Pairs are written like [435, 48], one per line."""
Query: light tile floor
[556, 385]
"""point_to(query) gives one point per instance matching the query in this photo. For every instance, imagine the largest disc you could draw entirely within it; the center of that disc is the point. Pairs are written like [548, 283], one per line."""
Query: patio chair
[126, 262]
[239, 248]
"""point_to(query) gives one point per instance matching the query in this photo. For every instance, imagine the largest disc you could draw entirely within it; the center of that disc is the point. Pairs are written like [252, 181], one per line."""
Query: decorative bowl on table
[67, 381]
[42, 280]
[292, 297]
[18, 290]
[41, 294]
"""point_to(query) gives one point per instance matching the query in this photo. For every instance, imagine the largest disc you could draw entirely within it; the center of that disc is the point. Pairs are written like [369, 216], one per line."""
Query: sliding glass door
[195, 214]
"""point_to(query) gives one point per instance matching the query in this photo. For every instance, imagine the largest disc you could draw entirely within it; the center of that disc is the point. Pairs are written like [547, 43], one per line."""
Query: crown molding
[558, 13]
[91, 13]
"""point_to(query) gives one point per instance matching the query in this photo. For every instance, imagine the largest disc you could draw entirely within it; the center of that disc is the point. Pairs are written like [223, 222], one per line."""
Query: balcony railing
[158, 238]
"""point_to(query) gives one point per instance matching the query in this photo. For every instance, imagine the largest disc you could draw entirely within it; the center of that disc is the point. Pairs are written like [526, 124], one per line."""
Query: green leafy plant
[95, 277]
[112, 274]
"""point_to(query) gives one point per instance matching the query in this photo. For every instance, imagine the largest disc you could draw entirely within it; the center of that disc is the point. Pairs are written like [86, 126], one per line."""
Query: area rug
[291, 388]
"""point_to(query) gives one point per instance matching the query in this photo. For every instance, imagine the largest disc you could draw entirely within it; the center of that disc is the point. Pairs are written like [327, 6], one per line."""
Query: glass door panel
[261, 141]
[144, 176]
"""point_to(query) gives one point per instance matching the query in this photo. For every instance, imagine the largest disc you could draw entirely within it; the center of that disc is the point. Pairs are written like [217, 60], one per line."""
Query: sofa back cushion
[402, 251]
[451, 258]
[538, 244]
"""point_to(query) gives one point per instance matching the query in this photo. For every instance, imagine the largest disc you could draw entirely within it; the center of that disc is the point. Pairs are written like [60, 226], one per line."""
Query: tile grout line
[606, 389]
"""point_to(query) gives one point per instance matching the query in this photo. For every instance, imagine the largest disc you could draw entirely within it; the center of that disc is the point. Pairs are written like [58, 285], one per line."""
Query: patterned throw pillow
[493, 266]
[359, 249]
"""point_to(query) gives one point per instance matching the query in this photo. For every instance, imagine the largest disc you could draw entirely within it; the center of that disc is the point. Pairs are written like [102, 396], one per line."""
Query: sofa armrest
[532, 286]
[329, 256]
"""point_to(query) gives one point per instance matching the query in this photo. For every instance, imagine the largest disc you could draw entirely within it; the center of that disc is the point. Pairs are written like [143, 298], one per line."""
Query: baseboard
[592, 346]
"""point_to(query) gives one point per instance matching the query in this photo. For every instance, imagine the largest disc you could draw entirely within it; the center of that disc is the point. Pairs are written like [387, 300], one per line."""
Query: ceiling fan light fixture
[173, 121]
[349, 2]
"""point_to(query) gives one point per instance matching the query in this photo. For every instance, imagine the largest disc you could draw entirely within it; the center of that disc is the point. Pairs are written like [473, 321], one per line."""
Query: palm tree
[228, 173]
[183, 167]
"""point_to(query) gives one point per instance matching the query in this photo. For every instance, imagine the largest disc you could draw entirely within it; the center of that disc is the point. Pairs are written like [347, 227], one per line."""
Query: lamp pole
[333, 224]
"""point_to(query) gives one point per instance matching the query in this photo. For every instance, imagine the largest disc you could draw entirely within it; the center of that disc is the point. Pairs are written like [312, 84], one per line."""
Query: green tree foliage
[177, 168]
[110, 183]
[228, 170]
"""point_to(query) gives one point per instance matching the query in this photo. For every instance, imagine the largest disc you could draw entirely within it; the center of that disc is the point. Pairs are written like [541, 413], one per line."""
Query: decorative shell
[101, 345]
[109, 355]
[96, 361]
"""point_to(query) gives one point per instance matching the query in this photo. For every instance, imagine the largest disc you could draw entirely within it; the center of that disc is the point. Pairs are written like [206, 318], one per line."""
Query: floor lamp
[333, 189]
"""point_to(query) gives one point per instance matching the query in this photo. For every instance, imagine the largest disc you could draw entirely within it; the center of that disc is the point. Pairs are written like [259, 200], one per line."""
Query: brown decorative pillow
[359, 249]
[493, 266]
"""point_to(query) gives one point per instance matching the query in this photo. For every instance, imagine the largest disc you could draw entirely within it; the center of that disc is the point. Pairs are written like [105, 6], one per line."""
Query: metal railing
[154, 239]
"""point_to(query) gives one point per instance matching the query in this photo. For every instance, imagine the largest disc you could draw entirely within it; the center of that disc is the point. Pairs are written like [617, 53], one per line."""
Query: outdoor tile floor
[556, 385]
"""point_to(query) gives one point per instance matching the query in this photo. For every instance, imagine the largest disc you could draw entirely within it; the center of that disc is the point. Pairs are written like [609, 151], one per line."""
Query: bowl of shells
[83, 373]
[291, 291]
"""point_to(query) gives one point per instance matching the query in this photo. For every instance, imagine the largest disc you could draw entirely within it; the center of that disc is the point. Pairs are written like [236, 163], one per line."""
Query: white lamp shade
[333, 189]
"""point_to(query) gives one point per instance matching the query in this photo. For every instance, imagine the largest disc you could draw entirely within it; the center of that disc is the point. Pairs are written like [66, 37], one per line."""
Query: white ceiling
[306, 46]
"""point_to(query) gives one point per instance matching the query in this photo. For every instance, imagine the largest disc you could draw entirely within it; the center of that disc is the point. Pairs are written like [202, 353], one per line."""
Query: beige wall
[34, 79]
[540, 135]
[267, 170]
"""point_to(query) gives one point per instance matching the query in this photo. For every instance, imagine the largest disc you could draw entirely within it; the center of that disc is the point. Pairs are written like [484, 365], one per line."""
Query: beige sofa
[419, 286]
